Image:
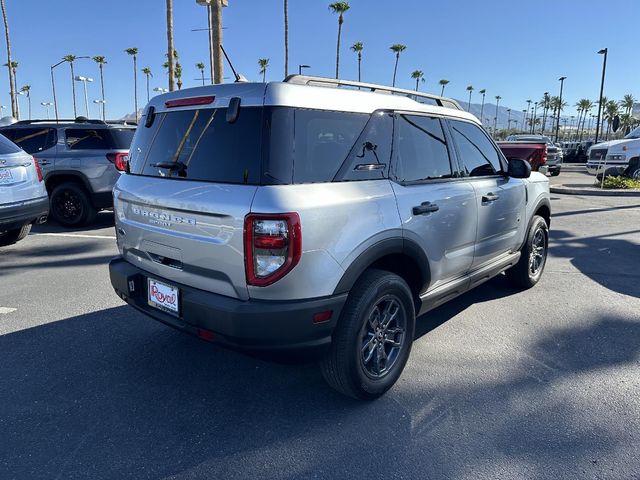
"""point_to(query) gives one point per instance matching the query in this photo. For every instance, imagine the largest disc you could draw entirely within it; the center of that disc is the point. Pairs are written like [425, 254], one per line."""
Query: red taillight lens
[38, 171]
[543, 156]
[272, 246]
[119, 160]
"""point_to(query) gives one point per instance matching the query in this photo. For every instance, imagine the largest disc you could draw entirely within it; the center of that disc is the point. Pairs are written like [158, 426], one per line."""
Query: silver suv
[290, 215]
[81, 160]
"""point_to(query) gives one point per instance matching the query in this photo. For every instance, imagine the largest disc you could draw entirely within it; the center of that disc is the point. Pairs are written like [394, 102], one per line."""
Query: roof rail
[335, 83]
[60, 120]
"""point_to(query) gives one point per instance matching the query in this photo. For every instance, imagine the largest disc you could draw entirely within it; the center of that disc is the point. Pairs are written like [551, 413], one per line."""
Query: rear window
[98, 138]
[32, 140]
[7, 146]
[273, 145]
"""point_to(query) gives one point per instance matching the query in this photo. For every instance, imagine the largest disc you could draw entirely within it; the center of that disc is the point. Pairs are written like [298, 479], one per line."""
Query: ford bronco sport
[292, 215]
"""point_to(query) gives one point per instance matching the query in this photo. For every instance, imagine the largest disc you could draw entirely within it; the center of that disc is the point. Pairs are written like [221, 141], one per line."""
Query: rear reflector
[186, 102]
[38, 171]
[206, 335]
[322, 316]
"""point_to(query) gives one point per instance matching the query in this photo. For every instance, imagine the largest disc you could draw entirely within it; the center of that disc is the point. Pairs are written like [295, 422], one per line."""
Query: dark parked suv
[81, 160]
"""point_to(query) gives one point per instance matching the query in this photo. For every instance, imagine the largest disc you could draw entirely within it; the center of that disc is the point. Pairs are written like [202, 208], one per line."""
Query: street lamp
[26, 93]
[535, 114]
[45, 105]
[101, 104]
[161, 90]
[2, 107]
[84, 80]
[300, 67]
[53, 83]
[545, 111]
[562, 79]
[604, 52]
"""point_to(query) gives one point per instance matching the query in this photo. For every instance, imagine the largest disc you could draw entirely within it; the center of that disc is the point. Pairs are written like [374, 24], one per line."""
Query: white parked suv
[23, 196]
[623, 155]
[319, 214]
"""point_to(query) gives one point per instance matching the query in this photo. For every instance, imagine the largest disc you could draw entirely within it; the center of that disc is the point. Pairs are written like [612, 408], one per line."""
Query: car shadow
[111, 394]
[104, 219]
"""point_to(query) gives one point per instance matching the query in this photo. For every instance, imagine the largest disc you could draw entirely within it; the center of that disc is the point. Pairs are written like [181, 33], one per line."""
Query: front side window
[477, 154]
[422, 152]
[33, 140]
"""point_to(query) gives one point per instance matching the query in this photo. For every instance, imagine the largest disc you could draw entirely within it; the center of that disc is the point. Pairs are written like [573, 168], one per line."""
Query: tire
[355, 364]
[555, 173]
[525, 274]
[70, 205]
[12, 236]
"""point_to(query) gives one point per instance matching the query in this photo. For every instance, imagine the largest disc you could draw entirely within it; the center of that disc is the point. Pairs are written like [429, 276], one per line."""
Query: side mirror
[519, 168]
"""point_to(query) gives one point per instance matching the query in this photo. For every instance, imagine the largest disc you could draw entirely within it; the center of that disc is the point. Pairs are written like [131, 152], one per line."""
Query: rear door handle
[490, 197]
[425, 207]
[43, 162]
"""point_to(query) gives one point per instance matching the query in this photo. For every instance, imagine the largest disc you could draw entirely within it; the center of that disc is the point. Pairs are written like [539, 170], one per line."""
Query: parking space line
[74, 235]
[7, 310]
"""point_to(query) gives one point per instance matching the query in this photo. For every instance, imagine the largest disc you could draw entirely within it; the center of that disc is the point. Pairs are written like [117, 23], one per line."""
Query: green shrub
[618, 183]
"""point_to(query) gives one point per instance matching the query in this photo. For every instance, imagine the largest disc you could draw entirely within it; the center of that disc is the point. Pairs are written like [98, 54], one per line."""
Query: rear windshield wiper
[173, 166]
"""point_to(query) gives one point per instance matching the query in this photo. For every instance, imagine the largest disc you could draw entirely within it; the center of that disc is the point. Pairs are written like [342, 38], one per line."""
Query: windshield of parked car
[635, 133]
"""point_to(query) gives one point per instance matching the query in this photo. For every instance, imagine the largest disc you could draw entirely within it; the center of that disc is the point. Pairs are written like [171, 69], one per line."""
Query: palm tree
[147, 73]
[70, 59]
[419, 76]
[12, 71]
[340, 8]
[443, 83]
[170, 50]
[358, 47]
[483, 92]
[286, 38]
[26, 90]
[470, 90]
[585, 105]
[12, 79]
[178, 72]
[545, 102]
[627, 103]
[495, 120]
[611, 110]
[397, 48]
[133, 51]
[200, 66]
[263, 63]
[101, 61]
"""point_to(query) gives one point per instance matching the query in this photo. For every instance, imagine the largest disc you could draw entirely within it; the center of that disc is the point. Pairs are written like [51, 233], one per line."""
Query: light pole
[535, 114]
[524, 119]
[46, 105]
[84, 80]
[100, 104]
[544, 111]
[604, 52]
[508, 118]
[28, 95]
[300, 67]
[562, 79]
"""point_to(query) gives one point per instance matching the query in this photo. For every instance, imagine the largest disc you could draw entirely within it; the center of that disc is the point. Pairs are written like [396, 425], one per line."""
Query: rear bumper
[15, 215]
[251, 325]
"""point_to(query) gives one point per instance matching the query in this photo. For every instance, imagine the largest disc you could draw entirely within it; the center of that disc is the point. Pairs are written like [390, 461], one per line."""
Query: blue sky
[515, 49]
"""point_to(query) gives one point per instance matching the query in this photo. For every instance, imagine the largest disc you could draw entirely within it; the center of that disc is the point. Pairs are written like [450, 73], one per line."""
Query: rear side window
[201, 145]
[98, 138]
[422, 152]
[32, 140]
[477, 154]
[7, 146]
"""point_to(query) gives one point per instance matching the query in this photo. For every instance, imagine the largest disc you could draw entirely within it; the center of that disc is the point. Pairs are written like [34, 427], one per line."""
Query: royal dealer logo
[162, 218]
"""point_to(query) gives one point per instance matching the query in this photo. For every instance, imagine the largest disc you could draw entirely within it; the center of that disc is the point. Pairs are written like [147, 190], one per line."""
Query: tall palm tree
[358, 47]
[495, 120]
[340, 8]
[26, 90]
[397, 48]
[12, 80]
[585, 105]
[627, 103]
[200, 66]
[545, 102]
[286, 38]
[470, 90]
[418, 75]
[133, 51]
[70, 59]
[170, 50]
[611, 110]
[178, 72]
[483, 92]
[101, 61]
[147, 73]
[263, 63]
[444, 82]
[12, 69]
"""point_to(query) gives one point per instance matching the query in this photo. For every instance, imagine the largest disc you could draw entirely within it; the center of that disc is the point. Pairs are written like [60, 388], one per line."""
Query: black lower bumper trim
[251, 324]
[15, 216]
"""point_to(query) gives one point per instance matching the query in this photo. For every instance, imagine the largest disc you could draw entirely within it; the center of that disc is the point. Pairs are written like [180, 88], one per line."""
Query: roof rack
[70, 120]
[335, 83]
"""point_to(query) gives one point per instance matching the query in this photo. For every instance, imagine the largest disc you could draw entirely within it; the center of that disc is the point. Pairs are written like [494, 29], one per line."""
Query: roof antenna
[239, 76]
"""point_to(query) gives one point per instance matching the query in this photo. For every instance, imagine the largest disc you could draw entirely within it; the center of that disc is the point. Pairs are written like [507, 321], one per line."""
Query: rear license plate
[5, 176]
[162, 296]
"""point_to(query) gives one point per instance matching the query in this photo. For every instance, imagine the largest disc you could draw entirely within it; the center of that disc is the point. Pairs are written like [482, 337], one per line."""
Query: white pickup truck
[623, 155]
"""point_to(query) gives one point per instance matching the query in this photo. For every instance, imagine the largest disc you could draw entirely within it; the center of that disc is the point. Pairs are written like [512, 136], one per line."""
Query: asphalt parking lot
[501, 384]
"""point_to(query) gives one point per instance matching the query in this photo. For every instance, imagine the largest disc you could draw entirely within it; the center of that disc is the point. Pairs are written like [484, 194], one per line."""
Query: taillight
[119, 160]
[272, 246]
[543, 157]
[38, 171]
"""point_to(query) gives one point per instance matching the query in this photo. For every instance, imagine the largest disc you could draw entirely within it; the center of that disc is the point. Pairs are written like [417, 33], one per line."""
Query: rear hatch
[534, 153]
[19, 180]
[193, 175]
